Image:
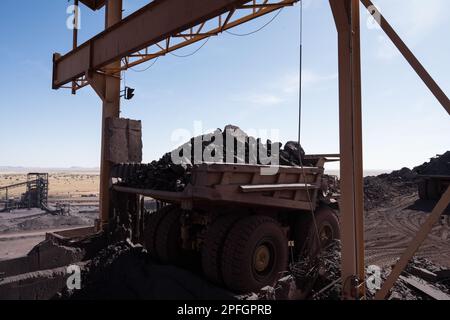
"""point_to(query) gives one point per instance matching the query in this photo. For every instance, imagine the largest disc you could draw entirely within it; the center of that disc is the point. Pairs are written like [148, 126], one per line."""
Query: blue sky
[248, 81]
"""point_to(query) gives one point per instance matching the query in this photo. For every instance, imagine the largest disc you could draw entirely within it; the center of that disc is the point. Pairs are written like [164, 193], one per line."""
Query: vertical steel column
[346, 15]
[111, 109]
[75, 36]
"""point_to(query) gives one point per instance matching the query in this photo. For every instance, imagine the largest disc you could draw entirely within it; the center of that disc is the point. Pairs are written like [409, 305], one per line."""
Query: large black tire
[168, 238]
[254, 255]
[213, 246]
[306, 238]
[423, 189]
[151, 226]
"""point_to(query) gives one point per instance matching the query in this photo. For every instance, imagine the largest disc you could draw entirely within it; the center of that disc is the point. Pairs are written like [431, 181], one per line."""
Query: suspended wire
[191, 54]
[300, 110]
[207, 40]
[231, 33]
[143, 70]
[257, 30]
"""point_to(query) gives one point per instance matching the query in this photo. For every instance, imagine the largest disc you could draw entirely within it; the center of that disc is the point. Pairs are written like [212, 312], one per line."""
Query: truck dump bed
[244, 184]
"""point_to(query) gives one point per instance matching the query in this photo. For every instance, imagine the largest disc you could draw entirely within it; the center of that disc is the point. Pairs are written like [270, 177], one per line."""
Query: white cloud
[414, 20]
[386, 49]
[285, 88]
[258, 99]
[309, 79]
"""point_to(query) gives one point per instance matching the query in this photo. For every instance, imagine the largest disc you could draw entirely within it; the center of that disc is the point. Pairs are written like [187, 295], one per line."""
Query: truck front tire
[255, 254]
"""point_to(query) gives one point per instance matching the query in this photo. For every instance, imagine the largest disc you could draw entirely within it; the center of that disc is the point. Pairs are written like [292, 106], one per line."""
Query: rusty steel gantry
[163, 26]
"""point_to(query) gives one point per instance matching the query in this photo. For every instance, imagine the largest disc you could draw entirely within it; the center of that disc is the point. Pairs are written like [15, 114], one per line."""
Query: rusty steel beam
[415, 244]
[346, 16]
[149, 25]
[409, 56]
[94, 4]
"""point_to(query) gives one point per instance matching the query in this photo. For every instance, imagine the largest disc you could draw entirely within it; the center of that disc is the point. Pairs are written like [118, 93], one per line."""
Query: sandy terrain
[61, 185]
[21, 230]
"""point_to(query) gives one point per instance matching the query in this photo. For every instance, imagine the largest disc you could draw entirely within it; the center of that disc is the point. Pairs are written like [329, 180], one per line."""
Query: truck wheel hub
[262, 258]
[326, 235]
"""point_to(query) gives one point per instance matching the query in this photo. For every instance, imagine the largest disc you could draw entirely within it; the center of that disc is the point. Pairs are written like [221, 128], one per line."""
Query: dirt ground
[389, 228]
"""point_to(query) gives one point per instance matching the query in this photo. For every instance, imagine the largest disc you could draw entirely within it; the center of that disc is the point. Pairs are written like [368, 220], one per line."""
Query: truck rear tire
[151, 226]
[168, 240]
[213, 246]
[254, 255]
[307, 241]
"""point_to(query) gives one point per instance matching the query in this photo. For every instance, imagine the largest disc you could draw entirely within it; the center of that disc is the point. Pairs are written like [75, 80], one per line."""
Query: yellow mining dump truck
[239, 227]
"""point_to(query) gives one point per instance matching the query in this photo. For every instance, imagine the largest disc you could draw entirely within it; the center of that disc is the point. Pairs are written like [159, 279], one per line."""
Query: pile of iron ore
[437, 166]
[123, 271]
[166, 175]
[383, 189]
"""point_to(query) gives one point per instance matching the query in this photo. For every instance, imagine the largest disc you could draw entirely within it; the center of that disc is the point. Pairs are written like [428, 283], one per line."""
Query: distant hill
[11, 169]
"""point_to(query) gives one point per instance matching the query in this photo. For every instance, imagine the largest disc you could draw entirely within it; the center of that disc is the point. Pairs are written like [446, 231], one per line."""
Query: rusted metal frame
[200, 28]
[199, 37]
[409, 56]
[267, 8]
[204, 36]
[192, 34]
[137, 55]
[415, 244]
[256, 6]
[221, 28]
[77, 84]
[227, 19]
[188, 36]
[346, 16]
[94, 4]
[128, 36]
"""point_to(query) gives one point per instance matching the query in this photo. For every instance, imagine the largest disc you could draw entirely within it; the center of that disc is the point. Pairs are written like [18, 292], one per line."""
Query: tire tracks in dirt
[389, 231]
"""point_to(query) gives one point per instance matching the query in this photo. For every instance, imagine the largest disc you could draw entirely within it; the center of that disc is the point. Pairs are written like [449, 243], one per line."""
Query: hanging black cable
[143, 70]
[257, 30]
[300, 95]
[192, 53]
